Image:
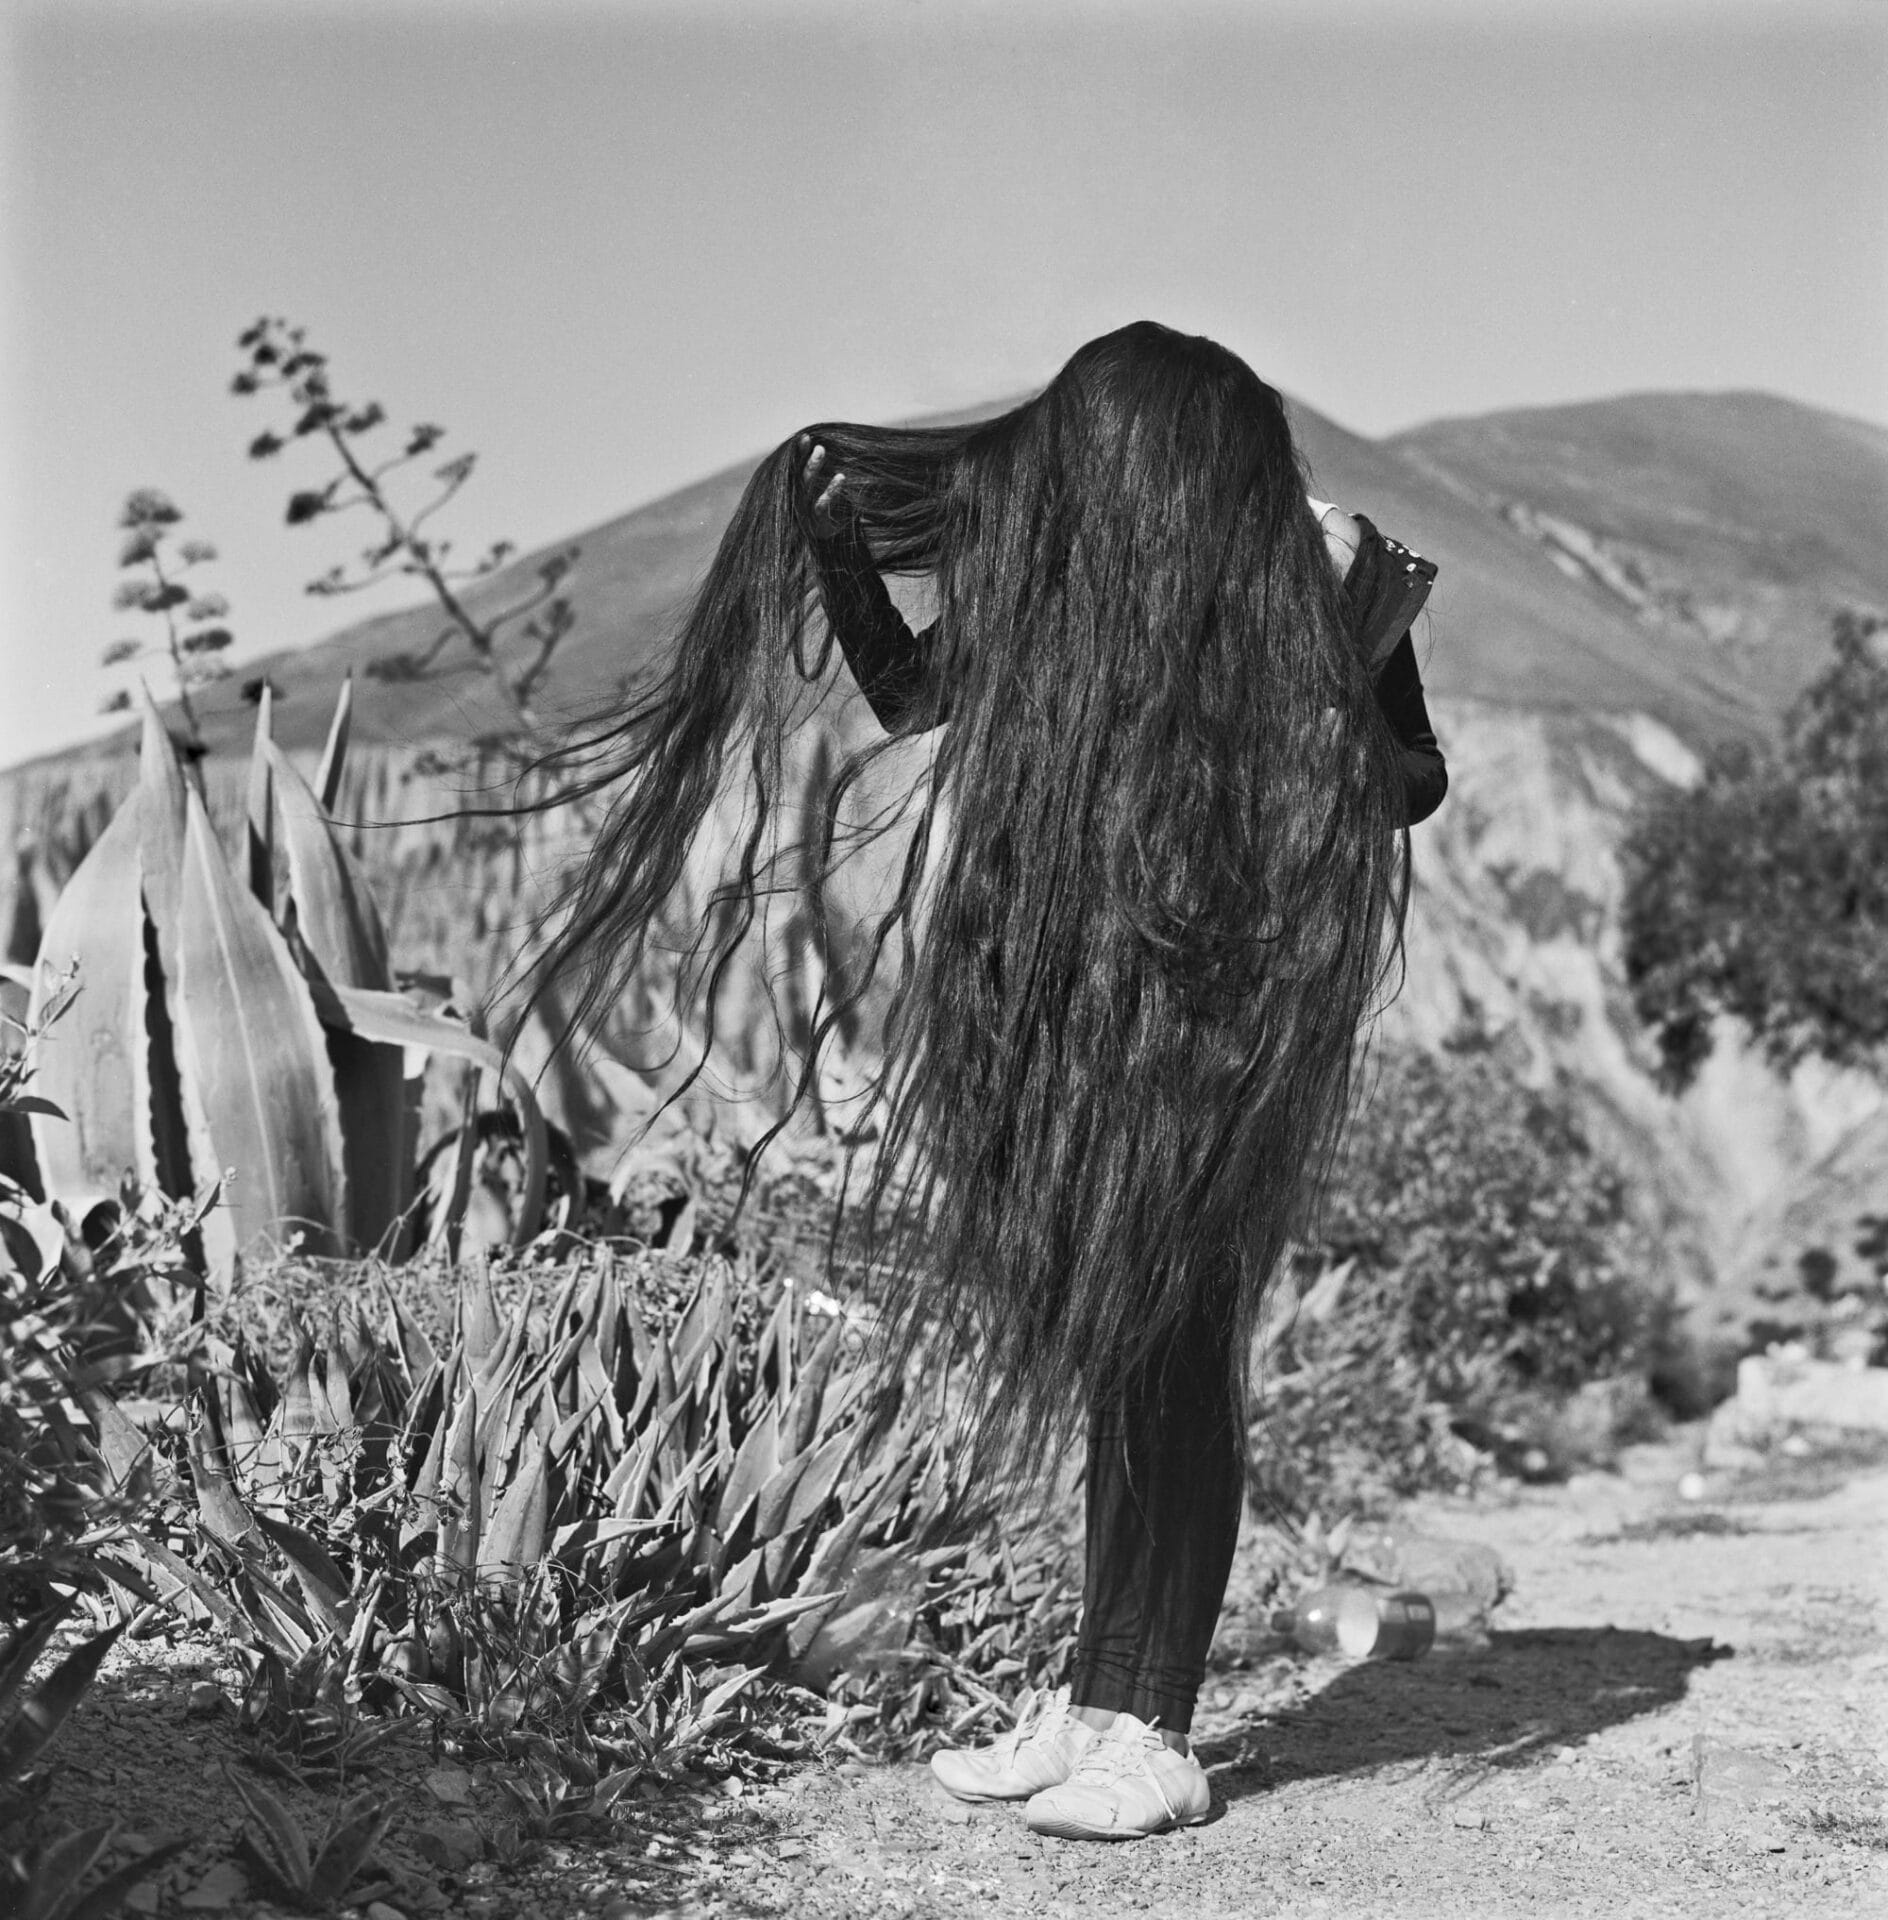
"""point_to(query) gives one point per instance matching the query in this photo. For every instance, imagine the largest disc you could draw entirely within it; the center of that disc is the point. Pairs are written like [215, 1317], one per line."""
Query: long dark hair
[1155, 878]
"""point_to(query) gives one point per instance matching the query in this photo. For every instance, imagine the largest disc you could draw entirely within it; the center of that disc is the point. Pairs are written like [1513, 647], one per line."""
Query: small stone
[379, 1910]
[447, 1844]
[221, 1887]
[451, 1785]
[206, 1697]
[733, 1787]
[1692, 1487]
[1471, 1817]
[789, 1849]
[954, 1813]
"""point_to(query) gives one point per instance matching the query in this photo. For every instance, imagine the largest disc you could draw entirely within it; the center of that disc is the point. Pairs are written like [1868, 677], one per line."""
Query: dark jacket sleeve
[1385, 588]
[887, 659]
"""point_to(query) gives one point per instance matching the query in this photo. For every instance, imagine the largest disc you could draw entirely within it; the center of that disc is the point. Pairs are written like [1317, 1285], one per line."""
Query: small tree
[156, 563]
[1763, 892]
[534, 624]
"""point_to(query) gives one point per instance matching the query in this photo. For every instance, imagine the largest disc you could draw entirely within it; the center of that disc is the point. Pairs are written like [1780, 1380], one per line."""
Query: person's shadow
[1526, 1693]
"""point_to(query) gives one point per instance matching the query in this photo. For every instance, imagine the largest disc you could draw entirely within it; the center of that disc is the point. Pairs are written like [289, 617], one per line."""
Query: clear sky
[613, 247]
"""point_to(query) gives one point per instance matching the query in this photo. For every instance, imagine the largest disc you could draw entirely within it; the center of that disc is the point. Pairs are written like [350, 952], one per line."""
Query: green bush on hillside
[1474, 1264]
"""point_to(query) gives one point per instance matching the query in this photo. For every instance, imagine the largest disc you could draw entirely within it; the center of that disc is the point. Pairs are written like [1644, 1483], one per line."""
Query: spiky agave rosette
[573, 1528]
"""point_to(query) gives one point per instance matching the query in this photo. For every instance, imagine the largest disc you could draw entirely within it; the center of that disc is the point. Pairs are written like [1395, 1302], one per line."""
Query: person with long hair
[1154, 889]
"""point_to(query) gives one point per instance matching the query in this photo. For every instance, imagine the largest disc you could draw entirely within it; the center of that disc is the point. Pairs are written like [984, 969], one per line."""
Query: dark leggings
[1166, 1476]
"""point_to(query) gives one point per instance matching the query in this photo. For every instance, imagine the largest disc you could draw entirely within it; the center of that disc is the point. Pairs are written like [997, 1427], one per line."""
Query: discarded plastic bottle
[1360, 1623]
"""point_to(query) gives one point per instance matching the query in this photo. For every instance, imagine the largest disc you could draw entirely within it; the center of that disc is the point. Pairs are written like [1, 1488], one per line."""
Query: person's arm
[1386, 585]
[887, 659]
[1400, 695]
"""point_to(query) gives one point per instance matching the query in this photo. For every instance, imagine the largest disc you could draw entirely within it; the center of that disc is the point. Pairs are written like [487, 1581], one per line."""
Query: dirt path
[1682, 1713]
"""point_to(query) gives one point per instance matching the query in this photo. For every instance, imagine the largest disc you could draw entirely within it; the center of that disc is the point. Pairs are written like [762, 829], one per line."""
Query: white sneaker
[1129, 1783]
[1039, 1751]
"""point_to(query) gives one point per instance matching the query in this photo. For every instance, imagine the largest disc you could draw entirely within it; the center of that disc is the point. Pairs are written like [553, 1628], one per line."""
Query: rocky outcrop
[1514, 935]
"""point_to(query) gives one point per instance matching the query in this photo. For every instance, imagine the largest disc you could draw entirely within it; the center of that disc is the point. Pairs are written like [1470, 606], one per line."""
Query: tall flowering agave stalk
[248, 1026]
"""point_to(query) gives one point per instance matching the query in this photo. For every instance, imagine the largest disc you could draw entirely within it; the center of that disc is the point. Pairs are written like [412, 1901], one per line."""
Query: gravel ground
[1682, 1713]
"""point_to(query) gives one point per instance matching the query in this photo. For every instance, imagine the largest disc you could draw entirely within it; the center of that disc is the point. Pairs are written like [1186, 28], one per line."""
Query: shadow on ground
[1526, 1694]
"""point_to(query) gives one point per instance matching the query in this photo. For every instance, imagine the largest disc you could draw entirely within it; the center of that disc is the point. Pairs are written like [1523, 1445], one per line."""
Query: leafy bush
[73, 1300]
[1474, 1258]
[1762, 894]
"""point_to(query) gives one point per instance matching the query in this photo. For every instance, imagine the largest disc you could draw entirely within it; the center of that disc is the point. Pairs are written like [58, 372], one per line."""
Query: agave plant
[249, 1025]
[545, 1520]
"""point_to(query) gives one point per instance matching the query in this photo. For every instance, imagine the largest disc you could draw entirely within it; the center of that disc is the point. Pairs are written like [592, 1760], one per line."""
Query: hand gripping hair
[1155, 878]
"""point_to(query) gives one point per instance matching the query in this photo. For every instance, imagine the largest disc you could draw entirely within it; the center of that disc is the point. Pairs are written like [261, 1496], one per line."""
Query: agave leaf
[334, 749]
[514, 1538]
[757, 1462]
[480, 1327]
[459, 1478]
[334, 909]
[250, 1037]
[296, 1419]
[58, 1868]
[574, 1542]
[806, 1484]
[24, 1647]
[42, 1712]
[599, 1411]
[739, 1582]
[612, 1787]
[259, 826]
[285, 1626]
[122, 1574]
[221, 1506]
[427, 1696]
[343, 932]
[715, 1704]
[232, 1618]
[358, 1830]
[449, 1181]
[122, 1447]
[803, 1408]
[626, 1485]
[415, 1349]
[163, 823]
[332, 1385]
[283, 1853]
[86, 1064]
[506, 1705]
[174, 1126]
[321, 1581]
[246, 1439]
[107, 1895]
[392, 1018]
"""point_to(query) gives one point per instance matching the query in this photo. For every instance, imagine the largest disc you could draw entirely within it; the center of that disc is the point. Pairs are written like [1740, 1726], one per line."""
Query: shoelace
[1041, 1713]
[1122, 1751]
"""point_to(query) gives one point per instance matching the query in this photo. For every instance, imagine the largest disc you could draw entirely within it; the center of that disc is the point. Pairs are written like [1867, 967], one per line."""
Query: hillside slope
[1727, 528]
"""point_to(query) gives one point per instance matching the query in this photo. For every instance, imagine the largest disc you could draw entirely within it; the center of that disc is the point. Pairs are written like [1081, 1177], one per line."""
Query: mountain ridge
[1510, 621]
